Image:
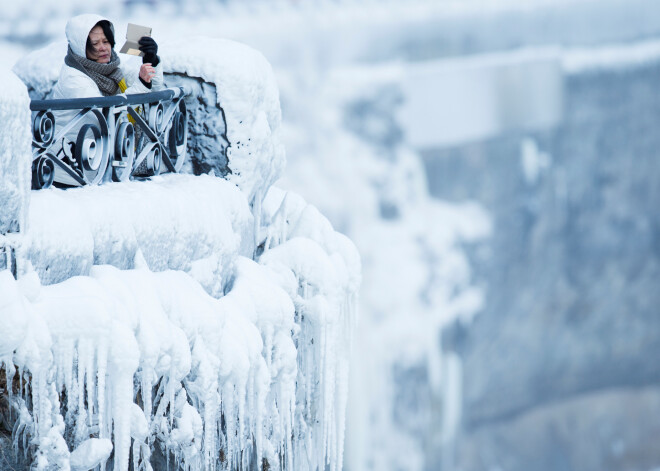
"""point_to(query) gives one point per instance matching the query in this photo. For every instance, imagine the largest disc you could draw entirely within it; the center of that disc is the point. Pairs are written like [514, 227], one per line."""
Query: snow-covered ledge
[196, 319]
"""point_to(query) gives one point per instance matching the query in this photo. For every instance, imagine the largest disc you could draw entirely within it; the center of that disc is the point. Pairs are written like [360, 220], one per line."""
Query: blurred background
[496, 162]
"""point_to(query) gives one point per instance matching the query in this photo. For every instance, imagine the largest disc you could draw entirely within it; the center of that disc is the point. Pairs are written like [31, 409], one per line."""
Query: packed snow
[181, 222]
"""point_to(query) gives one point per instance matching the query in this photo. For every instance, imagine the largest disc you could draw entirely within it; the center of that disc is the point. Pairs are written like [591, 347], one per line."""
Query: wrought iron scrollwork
[178, 136]
[43, 171]
[91, 150]
[156, 116]
[43, 128]
[109, 139]
[149, 161]
[122, 165]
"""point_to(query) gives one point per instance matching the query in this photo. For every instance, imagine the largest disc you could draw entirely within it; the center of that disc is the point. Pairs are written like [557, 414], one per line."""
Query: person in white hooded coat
[93, 69]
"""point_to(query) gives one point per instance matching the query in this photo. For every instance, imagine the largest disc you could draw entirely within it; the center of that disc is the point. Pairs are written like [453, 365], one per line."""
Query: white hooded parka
[73, 83]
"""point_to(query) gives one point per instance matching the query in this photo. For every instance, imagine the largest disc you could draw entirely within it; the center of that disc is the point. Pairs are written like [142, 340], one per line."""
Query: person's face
[101, 49]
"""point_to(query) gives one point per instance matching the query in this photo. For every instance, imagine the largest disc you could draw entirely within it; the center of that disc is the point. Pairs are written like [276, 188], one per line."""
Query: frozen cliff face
[566, 345]
[199, 321]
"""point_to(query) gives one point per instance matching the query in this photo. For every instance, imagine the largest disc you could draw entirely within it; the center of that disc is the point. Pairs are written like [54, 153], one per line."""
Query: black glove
[149, 47]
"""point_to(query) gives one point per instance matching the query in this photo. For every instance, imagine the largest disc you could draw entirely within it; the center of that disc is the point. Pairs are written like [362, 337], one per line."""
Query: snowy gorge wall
[576, 306]
[191, 319]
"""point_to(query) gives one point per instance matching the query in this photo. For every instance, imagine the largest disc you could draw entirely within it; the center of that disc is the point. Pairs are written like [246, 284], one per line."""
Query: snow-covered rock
[247, 92]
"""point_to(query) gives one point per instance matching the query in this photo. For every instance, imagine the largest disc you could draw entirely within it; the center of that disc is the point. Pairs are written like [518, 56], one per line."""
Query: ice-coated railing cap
[116, 100]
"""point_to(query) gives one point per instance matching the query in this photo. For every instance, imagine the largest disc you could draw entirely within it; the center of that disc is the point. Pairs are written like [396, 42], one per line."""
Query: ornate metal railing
[114, 138]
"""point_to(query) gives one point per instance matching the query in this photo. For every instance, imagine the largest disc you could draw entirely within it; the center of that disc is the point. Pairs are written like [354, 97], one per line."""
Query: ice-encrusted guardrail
[117, 138]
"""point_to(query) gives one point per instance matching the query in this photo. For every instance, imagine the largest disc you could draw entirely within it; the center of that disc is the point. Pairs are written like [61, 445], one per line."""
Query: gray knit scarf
[106, 76]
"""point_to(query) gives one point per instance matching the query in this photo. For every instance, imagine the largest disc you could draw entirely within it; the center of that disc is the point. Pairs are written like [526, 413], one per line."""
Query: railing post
[109, 113]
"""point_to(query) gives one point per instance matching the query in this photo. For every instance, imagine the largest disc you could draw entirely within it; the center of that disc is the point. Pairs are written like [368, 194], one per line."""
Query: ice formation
[196, 321]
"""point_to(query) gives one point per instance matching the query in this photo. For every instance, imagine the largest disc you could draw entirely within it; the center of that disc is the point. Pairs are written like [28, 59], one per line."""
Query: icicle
[10, 371]
[262, 376]
[288, 431]
[20, 384]
[172, 386]
[90, 382]
[122, 397]
[325, 380]
[101, 368]
[207, 381]
[229, 411]
[135, 451]
[81, 415]
[284, 219]
[145, 389]
[47, 438]
[240, 392]
[256, 212]
[65, 349]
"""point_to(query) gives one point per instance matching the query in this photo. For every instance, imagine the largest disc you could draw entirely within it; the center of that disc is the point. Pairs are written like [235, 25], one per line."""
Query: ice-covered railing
[110, 138]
